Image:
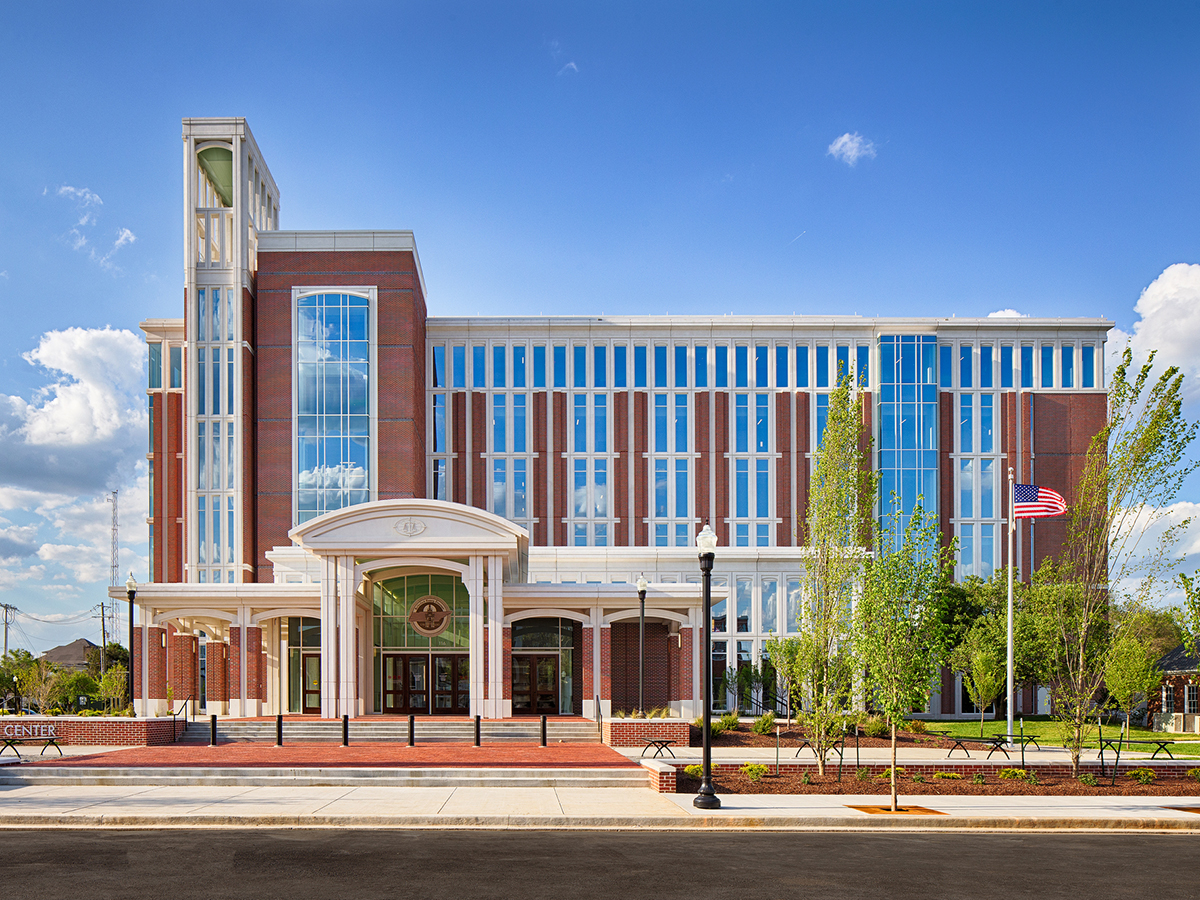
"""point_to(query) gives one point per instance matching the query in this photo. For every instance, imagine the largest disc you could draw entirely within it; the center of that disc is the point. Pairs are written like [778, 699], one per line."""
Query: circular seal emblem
[430, 616]
[408, 527]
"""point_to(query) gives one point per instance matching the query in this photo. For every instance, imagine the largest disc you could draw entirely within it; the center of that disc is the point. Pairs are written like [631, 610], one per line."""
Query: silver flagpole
[1012, 496]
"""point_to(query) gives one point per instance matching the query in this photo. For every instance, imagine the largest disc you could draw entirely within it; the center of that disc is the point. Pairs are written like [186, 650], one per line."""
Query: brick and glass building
[358, 508]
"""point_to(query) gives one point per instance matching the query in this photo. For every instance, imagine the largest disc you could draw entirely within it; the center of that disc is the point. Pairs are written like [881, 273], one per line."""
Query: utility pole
[114, 579]
[103, 638]
[10, 614]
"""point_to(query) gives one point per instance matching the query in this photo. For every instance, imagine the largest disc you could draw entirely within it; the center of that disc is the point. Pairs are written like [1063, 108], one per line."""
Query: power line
[83, 617]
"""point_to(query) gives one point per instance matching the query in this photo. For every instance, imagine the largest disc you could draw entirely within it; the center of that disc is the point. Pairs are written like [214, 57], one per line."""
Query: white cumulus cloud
[850, 148]
[1006, 314]
[1169, 322]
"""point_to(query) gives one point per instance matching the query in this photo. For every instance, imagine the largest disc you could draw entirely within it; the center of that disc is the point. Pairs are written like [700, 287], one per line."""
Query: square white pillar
[495, 615]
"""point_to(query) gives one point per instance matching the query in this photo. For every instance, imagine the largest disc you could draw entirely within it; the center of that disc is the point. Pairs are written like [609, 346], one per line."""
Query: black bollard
[412, 731]
[477, 731]
[345, 731]
[212, 733]
[279, 730]
[543, 731]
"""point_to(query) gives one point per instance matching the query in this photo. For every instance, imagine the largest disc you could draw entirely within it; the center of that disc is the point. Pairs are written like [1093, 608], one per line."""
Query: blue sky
[575, 158]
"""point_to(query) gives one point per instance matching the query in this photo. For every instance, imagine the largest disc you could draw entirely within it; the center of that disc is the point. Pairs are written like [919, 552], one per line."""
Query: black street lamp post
[641, 586]
[706, 541]
[131, 592]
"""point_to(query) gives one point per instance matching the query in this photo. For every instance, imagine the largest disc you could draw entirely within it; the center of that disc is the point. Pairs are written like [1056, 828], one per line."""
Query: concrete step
[339, 777]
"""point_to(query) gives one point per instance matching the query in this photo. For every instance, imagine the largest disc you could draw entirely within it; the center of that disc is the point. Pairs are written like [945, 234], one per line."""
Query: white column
[473, 581]
[590, 710]
[143, 707]
[347, 648]
[499, 707]
[328, 637]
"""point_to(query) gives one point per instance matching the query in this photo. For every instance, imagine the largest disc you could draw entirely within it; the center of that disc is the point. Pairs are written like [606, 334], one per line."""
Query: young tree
[897, 633]
[836, 528]
[1131, 672]
[114, 687]
[1133, 471]
[982, 660]
[39, 682]
[783, 653]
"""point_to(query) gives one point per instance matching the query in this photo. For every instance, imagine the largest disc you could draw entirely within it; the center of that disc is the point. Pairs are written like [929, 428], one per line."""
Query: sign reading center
[430, 616]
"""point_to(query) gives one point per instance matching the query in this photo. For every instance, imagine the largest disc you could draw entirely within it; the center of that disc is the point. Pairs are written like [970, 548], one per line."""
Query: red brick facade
[255, 667]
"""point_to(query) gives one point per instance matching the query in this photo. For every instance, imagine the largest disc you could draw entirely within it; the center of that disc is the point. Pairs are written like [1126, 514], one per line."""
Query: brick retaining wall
[93, 730]
[635, 732]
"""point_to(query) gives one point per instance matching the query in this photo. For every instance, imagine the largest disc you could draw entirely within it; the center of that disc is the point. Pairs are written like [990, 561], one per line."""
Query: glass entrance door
[311, 665]
[411, 681]
[535, 684]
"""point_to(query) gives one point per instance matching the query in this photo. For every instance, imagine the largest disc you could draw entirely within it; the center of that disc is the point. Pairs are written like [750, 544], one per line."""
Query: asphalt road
[472, 865]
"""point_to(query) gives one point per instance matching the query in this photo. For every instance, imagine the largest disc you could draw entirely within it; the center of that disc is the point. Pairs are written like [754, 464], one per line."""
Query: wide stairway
[303, 730]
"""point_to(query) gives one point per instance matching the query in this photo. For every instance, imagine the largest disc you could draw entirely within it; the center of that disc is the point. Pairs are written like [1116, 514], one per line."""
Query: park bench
[660, 746]
[996, 742]
[46, 742]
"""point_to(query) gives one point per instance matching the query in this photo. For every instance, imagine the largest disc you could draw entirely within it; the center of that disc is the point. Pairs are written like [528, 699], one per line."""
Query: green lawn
[1049, 734]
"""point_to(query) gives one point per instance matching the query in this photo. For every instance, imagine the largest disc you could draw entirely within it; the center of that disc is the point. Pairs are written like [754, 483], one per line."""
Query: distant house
[71, 656]
[1177, 706]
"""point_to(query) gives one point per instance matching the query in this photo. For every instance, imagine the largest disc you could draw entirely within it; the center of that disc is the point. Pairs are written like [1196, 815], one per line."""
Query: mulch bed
[785, 783]
[791, 737]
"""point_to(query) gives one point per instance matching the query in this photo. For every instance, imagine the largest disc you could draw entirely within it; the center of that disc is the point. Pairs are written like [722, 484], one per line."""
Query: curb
[594, 823]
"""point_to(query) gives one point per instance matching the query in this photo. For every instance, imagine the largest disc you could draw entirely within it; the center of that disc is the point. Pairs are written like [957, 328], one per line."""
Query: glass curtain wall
[908, 424]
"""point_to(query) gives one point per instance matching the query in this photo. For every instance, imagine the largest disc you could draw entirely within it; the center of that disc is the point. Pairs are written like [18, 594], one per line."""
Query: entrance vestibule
[425, 684]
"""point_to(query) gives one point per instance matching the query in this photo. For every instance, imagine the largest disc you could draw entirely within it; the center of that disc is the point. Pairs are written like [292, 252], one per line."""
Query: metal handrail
[182, 711]
[599, 719]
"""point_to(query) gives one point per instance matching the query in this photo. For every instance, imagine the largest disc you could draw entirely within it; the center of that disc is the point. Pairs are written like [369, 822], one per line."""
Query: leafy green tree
[783, 652]
[836, 529]
[114, 687]
[1131, 672]
[115, 654]
[1133, 471]
[897, 630]
[39, 682]
[70, 686]
[982, 660]
[14, 677]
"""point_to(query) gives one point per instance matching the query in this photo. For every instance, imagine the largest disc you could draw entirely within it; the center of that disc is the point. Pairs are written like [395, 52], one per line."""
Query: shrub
[1013, 773]
[1032, 777]
[918, 778]
[618, 714]
[698, 722]
[1088, 779]
[754, 771]
[887, 773]
[717, 728]
[1142, 776]
[978, 778]
[862, 773]
[729, 721]
[876, 727]
[953, 775]
[764, 724]
[805, 778]
[694, 771]
[916, 726]
[1194, 773]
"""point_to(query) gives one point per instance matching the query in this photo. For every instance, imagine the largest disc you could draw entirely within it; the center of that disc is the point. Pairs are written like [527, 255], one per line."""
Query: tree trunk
[894, 807]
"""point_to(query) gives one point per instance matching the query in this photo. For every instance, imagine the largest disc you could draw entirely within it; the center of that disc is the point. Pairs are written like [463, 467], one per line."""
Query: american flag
[1033, 502]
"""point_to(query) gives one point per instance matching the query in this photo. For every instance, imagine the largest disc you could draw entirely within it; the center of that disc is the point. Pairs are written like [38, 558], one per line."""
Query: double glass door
[424, 684]
[535, 684]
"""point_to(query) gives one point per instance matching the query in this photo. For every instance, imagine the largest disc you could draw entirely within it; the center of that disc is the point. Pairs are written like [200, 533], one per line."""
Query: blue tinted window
[660, 365]
[498, 367]
[864, 366]
[741, 423]
[458, 359]
[681, 365]
[822, 365]
[600, 423]
[1068, 366]
[439, 367]
[580, 365]
[760, 366]
[539, 366]
[822, 415]
[600, 366]
[518, 366]
[619, 366]
[701, 366]
[681, 423]
[741, 365]
[499, 437]
[985, 366]
[660, 494]
[681, 490]
[154, 370]
[580, 424]
[966, 358]
[1088, 366]
[761, 423]
[946, 364]
[1006, 366]
[518, 426]
[660, 423]
[560, 365]
[781, 367]
[639, 365]
[1047, 365]
[843, 364]
[762, 491]
[966, 424]
[802, 366]
[742, 488]
[479, 375]
[1026, 366]
[176, 367]
[721, 367]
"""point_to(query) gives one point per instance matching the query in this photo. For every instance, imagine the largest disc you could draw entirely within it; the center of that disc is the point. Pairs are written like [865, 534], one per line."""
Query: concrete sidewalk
[561, 807]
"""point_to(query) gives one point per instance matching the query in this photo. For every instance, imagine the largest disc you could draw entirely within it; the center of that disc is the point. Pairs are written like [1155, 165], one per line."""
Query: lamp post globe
[706, 543]
[130, 592]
